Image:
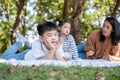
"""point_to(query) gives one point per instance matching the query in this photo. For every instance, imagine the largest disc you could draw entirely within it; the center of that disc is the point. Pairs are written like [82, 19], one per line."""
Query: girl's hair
[61, 22]
[115, 35]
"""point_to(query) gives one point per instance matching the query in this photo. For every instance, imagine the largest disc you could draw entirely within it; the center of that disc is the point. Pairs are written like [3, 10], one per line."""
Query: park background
[85, 16]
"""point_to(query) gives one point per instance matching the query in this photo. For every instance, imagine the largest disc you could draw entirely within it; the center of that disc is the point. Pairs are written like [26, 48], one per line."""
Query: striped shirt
[69, 46]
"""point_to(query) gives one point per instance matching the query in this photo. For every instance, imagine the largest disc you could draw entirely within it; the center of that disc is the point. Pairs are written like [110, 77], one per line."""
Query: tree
[114, 13]
[94, 14]
[65, 9]
[8, 13]
[6, 22]
[76, 19]
[19, 18]
[84, 15]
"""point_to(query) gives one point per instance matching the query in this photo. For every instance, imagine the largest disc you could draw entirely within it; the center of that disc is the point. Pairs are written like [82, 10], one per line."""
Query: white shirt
[39, 50]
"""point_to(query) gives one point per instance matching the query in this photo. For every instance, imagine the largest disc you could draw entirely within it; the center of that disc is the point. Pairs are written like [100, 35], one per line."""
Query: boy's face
[50, 36]
[65, 28]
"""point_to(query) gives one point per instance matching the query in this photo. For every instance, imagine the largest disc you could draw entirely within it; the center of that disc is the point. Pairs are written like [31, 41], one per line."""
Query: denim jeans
[81, 51]
[11, 52]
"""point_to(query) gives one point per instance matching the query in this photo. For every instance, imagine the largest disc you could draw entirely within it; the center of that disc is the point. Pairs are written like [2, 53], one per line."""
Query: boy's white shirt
[39, 50]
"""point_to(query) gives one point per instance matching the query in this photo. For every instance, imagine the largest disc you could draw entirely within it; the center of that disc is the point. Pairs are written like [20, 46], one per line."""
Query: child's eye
[56, 34]
[107, 27]
[65, 26]
[49, 35]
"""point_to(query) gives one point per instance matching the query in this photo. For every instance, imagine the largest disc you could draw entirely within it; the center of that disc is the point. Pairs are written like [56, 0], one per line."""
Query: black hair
[115, 35]
[45, 26]
[61, 22]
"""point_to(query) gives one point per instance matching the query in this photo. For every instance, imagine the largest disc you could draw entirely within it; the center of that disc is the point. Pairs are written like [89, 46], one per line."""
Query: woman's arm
[115, 53]
[113, 58]
[90, 45]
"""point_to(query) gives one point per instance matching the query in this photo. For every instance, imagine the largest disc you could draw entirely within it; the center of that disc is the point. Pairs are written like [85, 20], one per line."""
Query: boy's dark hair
[115, 35]
[45, 26]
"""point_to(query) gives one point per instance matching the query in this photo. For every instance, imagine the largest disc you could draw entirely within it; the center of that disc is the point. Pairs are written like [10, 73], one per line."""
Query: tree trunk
[115, 8]
[20, 6]
[76, 19]
[65, 9]
[23, 26]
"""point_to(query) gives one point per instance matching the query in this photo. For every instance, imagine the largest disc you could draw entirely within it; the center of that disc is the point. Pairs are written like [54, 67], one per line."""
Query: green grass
[9, 72]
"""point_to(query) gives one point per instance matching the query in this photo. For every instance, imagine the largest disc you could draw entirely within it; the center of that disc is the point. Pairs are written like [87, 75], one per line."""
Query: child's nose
[53, 37]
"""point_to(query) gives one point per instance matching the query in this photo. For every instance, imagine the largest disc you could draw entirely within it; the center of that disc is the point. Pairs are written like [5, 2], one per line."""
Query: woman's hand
[89, 54]
[113, 58]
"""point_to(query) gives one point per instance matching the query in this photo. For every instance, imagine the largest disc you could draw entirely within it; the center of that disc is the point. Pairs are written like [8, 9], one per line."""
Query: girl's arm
[59, 53]
[58, 56]
[73, 48]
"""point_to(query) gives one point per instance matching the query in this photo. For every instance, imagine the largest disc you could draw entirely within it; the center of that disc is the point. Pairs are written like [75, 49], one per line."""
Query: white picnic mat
[79, 62]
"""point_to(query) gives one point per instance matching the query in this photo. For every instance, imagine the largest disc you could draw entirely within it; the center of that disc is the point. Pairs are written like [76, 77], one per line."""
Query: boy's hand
[48, 45]
[60, 42]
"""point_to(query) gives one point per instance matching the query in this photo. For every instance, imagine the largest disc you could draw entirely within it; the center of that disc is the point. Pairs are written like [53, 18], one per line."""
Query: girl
[67, 40]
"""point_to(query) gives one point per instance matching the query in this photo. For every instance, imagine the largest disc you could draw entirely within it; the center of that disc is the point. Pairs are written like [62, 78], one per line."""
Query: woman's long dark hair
[115, 35]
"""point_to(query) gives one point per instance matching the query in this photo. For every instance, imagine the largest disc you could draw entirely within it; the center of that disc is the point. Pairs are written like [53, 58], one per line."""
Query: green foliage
[7, 18]
[4, 36]
[94, 13]
[49, 10]
[8, 13]
[9, 72]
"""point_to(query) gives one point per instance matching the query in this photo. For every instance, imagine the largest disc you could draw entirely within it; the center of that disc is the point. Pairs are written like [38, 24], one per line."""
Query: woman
[104, 43]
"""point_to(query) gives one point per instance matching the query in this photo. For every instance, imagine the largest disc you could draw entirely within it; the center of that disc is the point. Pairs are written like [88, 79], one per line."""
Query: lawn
[9, 72]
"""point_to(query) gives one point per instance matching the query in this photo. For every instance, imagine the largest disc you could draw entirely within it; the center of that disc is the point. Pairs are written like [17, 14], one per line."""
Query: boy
[45, 48]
